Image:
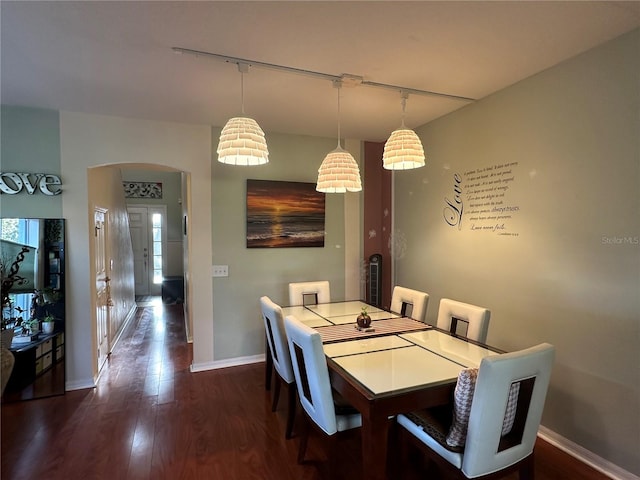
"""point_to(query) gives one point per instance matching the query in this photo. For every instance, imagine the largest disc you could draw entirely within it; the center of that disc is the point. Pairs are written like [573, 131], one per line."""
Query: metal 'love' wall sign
[13, 183]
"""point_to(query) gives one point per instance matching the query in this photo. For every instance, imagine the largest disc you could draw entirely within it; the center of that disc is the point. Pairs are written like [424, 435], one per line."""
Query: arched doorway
[110, 189]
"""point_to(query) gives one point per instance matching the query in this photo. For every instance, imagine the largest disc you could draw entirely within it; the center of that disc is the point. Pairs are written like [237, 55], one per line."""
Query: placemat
[389, 326]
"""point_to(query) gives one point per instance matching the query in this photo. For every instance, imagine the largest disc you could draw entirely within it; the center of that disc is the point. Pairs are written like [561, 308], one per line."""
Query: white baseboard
[603, 466]
[82, 384]
[231, 362]
[79, 385]
[124, 325]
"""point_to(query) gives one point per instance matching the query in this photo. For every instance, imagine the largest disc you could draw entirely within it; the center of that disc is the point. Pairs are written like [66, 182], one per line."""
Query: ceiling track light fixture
[403, 150]
[242, 140]
[339, 172]
[346, 78]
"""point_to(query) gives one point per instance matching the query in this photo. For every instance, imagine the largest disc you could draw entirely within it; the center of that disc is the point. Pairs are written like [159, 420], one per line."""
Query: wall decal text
[454, 209]
[486, 191]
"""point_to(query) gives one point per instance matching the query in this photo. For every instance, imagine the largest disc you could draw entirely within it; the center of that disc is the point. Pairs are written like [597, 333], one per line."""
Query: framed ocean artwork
[284, 214]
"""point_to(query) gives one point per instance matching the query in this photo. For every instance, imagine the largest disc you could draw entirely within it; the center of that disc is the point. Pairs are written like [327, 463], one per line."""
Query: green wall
[559, 153]
[31, 144]
[238, 327]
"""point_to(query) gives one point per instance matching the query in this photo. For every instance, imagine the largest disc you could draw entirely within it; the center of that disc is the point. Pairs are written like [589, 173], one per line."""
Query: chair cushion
[463, 397]
[435, 422]
[455, 458]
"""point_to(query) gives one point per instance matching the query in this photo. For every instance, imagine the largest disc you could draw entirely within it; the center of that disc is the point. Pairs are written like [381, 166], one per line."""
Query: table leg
[375, 432]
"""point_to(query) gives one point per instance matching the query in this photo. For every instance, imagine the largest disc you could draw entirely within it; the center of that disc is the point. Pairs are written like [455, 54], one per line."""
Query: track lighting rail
[348, 80]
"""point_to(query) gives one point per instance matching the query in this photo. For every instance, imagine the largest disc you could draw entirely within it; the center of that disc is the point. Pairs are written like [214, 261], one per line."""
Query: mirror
[32, 263]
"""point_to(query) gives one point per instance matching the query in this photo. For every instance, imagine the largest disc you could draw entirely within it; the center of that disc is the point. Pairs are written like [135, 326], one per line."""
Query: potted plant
[9, 275]
[363, 320]
[32, 325]
[51, 295]
[10, 322]
[48, 323]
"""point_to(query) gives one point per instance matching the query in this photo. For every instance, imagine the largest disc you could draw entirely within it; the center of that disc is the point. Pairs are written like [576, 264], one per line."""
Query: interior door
[102, 286]
[138, 225]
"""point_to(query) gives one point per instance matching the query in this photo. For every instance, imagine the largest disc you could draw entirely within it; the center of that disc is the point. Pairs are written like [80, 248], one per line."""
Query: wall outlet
[220, 270]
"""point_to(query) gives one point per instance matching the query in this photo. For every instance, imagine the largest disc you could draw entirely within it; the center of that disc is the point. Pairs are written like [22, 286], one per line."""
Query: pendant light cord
[242, 91]
[338, 85]
[242, 68]
[403, 95]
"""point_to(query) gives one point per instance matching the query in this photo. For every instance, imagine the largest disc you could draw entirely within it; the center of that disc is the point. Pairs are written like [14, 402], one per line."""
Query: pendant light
[242, 140]
[339, 172]
[403, 150]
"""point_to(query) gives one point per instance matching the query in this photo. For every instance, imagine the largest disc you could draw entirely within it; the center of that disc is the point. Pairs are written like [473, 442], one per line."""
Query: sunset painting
[284, 214]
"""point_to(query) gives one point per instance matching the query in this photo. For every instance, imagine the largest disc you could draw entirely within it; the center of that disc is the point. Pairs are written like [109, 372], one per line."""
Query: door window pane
[156, 223]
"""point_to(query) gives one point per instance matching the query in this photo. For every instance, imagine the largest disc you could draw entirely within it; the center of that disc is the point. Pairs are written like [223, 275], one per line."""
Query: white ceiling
[116, 58]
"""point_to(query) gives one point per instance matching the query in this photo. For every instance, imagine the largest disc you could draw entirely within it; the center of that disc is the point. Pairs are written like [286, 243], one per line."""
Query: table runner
[349, 331]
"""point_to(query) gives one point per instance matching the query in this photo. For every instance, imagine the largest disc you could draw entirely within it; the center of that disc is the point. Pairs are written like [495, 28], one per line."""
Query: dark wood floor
[150, 418]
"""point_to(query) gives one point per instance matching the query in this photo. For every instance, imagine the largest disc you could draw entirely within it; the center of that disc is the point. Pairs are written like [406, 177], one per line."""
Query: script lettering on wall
[454, 208]
[13, 183]
[480, 200]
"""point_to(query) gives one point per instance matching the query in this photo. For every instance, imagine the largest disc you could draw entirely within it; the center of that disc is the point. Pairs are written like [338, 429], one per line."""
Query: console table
[35, 358]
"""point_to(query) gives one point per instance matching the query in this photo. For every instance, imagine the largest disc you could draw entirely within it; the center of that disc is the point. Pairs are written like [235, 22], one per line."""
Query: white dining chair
[279, 351]
[308, 293]
[451, 314]
[322, 406]
[405, 299]
[494, 429]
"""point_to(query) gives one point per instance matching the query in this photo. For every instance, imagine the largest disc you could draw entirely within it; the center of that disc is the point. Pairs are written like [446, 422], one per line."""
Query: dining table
[394, 366]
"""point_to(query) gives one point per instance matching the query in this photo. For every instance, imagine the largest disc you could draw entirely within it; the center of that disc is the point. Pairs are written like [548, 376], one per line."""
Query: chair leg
[268, 367]
[401, 447]
[291, 413]
[332, 455]
[304, 438]
[276, 393]
[527, 468]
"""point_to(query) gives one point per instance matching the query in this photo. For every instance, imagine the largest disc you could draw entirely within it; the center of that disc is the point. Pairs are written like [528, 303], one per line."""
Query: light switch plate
[220, 270]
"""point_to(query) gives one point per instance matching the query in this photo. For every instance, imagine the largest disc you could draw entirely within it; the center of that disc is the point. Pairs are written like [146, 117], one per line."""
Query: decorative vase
[363, 320]
[47, 327]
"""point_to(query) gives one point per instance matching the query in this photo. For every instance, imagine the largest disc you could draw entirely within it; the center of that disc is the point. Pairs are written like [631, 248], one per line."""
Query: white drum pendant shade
[339, 173]
[403, 150]
[242, 143]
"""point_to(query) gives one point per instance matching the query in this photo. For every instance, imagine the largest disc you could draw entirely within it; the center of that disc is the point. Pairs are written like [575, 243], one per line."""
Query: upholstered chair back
[451, 313]
[403, 297]
[487, 450]
[306, 293]
[311, 373]
[277, 338]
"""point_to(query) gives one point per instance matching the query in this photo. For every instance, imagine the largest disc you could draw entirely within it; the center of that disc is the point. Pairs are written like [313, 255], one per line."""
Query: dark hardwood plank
[151, 418]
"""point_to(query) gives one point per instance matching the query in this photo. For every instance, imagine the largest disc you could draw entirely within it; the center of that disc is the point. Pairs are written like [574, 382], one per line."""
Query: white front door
[102, 286]
[138, 225]
[148, 240]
